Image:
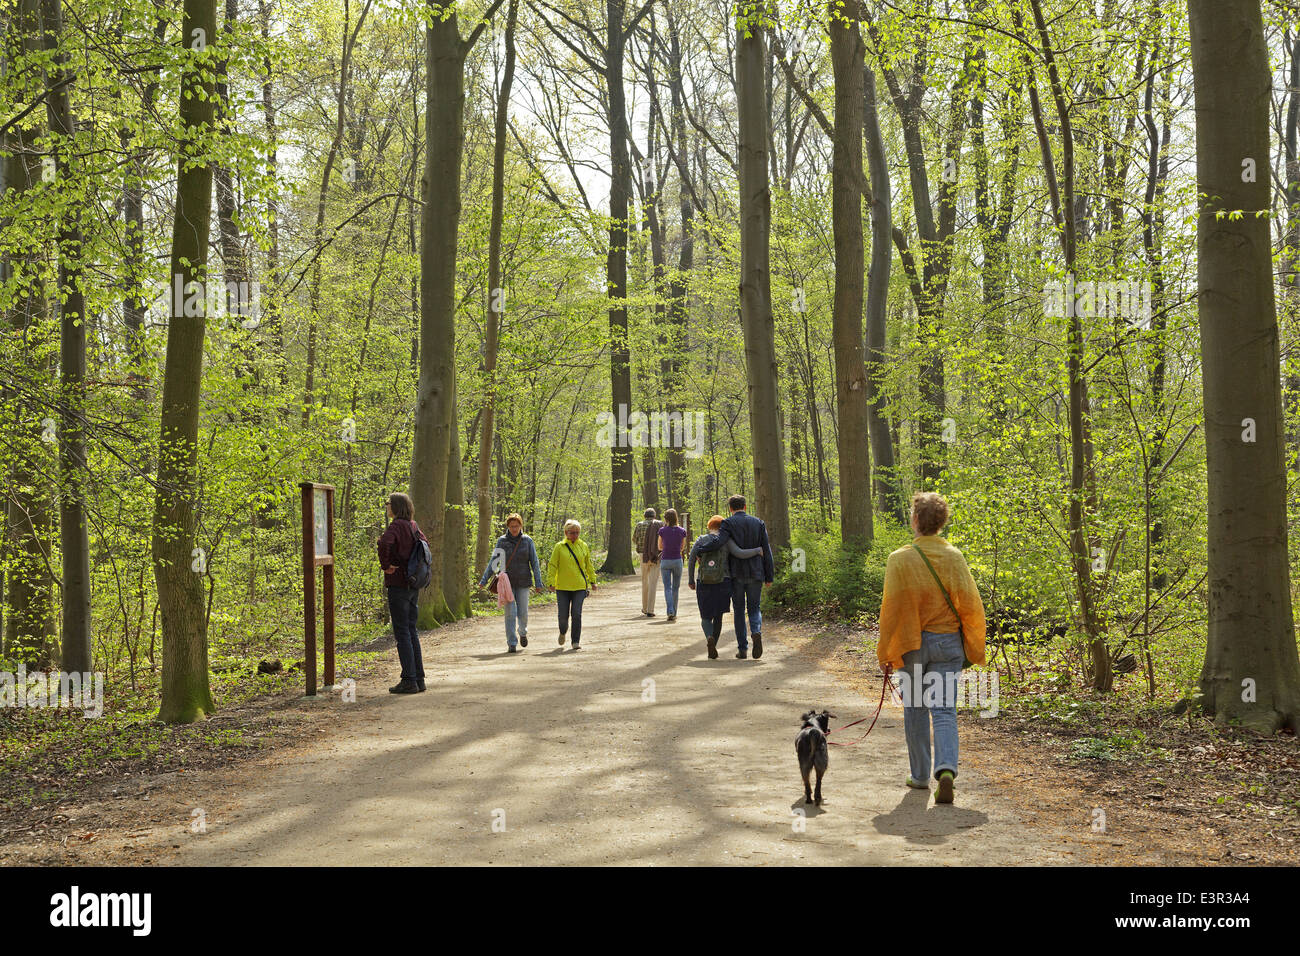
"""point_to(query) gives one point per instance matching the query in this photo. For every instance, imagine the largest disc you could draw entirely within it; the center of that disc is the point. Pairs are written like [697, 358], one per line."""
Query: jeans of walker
[926, 697]
[404, 608]
[712, 627]
[745, 598]
[517, 615]
[671, 569]
[570, 604]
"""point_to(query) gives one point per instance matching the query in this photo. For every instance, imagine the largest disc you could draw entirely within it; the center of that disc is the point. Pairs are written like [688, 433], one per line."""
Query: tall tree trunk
[679, 286]
[29, 626]
[133, 304]
[439, 222]
[1251, 674]
[455, 569]
[1065, 209]
[770, 492]
[847, 61]
[619, 558]
[318, 235]
[186, 696]
[271, 314]
[73, 535]
[495, 300]
[889, 492]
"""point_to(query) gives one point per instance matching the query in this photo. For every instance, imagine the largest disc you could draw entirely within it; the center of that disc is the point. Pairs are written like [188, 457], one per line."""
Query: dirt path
[635, 749]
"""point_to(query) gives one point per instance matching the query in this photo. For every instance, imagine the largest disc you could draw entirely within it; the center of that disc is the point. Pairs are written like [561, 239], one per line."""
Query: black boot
[758, 645]
[419, 682]
[713, 648]
[405, 687]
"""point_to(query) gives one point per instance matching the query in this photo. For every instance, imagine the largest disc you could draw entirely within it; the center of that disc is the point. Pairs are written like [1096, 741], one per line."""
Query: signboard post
[318, 552]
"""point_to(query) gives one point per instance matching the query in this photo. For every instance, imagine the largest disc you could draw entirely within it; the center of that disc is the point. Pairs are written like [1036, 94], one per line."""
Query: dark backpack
[419, 566]
[713, 566]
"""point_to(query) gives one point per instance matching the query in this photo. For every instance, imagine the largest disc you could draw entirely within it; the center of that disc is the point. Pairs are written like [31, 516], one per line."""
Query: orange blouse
[913, 602]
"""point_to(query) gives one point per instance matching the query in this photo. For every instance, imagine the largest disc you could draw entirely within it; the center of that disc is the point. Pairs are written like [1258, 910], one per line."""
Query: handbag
[505, 569]
[965, 661]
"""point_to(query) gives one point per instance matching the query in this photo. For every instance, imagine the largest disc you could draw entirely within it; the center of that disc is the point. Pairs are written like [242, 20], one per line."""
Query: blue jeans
[745, 595]
[570, 602]
[929, 679]
[671, 569]
[404, 608]
[517, 610]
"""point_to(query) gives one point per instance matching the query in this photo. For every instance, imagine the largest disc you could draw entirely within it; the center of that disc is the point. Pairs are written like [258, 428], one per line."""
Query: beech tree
[1251, 674]
[178, 564]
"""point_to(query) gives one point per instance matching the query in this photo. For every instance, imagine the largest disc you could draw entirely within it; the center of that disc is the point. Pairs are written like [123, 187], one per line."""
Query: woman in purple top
[671, 537]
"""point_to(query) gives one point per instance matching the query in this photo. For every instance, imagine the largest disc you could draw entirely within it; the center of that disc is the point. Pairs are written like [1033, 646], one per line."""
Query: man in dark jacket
[748, 575]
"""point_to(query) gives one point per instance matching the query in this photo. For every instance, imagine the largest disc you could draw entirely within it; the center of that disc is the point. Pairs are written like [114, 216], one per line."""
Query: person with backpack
[713, 593]
[404, 556]
[748, 575]
[931, 623]
[570, 575]
[514, 557]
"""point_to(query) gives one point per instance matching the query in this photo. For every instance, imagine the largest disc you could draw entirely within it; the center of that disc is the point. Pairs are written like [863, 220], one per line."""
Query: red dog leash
[884, 689]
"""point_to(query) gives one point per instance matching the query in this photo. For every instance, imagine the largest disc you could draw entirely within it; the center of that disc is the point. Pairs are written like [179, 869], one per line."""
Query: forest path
[566, 750]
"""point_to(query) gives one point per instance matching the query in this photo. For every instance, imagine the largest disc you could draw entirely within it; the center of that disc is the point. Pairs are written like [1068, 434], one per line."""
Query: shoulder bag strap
[577, 562]
[951, 606]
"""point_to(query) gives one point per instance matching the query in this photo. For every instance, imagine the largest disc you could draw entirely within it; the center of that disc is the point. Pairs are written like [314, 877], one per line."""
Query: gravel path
[634, 750]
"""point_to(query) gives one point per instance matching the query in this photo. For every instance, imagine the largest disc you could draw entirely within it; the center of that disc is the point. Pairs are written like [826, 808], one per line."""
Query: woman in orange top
[924, 641]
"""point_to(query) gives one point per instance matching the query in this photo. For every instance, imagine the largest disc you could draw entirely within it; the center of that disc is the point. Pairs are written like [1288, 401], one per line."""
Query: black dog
[811, 747]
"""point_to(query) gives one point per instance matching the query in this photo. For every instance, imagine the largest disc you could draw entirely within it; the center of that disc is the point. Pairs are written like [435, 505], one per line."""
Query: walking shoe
[561, 638]
[577, 646]
[713, 650]
[523, 640]
[405, 687]
[944, 793]
[419, 684]
[512, 649]
[672, 617]
[917, 784]
[758, 645]
[741, 654]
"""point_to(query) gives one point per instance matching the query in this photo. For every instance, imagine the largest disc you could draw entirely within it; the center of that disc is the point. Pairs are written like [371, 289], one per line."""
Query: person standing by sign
[395, 549]
[515, 557]
[570, 575]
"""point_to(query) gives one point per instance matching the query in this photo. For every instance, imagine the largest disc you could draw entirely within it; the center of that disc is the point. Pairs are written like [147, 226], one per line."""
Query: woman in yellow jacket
[923, 639]
[570, 574]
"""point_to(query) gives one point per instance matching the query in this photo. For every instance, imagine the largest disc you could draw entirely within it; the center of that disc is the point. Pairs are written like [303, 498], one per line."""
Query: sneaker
[405, 687]
[917, 784]
[713, 650]
[758, 645]
[577, 646]
[672, 617]
[944, 793]
[512, 649]
[561, 638]
[523, 640]
[741, 654]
